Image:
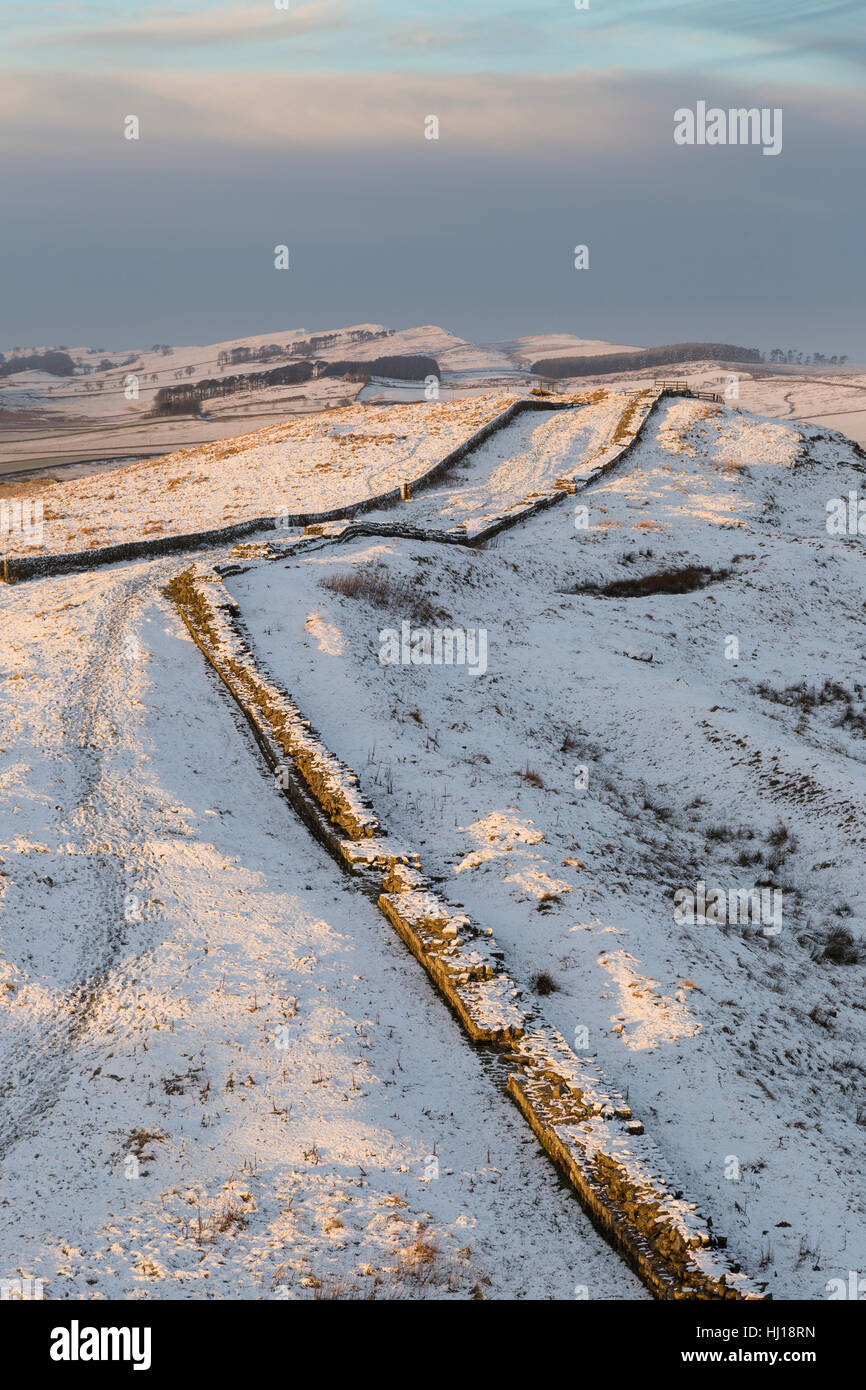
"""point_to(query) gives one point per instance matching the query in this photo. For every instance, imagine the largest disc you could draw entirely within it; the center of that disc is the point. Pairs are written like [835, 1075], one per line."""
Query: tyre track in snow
[95, 719]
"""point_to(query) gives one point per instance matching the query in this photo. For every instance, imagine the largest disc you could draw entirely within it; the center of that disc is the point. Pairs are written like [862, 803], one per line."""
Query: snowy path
[225, 1077]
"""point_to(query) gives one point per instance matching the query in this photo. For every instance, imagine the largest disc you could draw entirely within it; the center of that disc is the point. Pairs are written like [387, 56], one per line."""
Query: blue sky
[305, 126]
[792, 40]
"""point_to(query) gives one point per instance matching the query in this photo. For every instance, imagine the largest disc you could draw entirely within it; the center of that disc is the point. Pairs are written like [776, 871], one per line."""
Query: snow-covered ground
[832, 399]
[521, 460]
[224, 1076]
[741, 1049]
[190, 990]
[538, 346]
[313, 463]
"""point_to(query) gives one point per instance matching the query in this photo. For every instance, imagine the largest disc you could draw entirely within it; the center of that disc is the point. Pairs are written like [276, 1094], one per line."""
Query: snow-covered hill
[620, 748]
[671, 695]
[104, 412]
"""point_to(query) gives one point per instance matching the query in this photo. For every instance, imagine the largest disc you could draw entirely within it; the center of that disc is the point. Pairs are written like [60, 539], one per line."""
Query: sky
[304, 126]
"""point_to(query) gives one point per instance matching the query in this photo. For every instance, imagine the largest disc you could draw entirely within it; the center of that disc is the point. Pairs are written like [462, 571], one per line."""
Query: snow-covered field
[742, 1050]
[313, 463]
[520, 461]
[223, 1073]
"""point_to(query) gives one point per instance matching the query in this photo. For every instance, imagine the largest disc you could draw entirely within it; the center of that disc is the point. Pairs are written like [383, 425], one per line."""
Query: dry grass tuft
[375, 586]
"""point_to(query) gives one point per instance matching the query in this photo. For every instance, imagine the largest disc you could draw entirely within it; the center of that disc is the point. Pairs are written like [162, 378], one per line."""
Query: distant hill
[558, 367]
